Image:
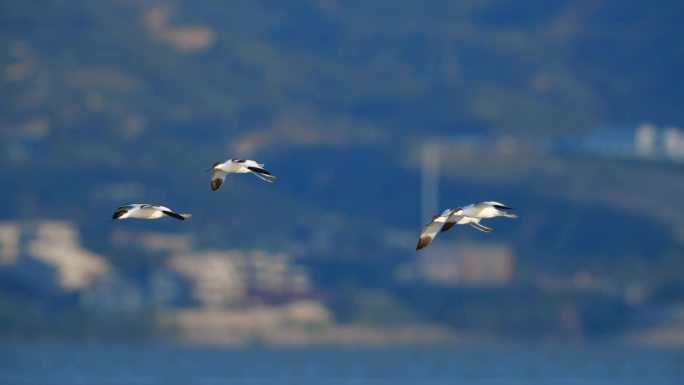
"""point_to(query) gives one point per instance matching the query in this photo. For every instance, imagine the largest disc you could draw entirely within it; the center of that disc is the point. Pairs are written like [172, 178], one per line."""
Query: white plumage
[489, 209]
[467, 215]
[239, 166]
[146, 211]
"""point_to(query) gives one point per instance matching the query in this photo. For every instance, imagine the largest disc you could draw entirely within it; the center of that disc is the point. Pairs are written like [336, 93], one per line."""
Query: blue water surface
[131, 364]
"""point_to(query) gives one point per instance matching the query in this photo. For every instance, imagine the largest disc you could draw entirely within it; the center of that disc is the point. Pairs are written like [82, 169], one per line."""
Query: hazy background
[374, 115]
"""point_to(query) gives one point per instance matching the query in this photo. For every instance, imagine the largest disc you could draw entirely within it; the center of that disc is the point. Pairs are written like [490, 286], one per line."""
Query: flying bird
[443, 222]
[238, 166]
[467, 215]
[145, 211]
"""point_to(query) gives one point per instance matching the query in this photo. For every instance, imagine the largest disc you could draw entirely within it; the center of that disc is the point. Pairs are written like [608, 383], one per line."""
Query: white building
[673, 143]
[461, 265]
[48, 255]
[222, 278]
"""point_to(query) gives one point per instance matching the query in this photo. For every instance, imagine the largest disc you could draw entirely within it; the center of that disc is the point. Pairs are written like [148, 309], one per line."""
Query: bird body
[488, 209]
[457, 218]
[237, 166]
[146, 211]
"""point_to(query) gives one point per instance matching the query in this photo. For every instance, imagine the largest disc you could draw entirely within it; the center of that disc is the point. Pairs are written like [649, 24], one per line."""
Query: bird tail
[186, 216]
[510, 215]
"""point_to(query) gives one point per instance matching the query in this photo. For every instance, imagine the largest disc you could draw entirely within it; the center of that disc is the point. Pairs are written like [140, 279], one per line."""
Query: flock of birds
[466, 215]
[219, 171]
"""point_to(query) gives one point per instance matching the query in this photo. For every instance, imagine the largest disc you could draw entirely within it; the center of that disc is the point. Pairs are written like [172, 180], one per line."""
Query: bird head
[213, 167]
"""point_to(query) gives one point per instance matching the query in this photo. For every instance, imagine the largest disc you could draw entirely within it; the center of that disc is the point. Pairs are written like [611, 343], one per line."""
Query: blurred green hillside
[122, 71]
[118, 91]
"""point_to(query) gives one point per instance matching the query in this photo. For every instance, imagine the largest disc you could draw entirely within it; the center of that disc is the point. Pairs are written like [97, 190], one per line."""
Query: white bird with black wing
[467, 215]
[443, 222]
[146, 211]
[238, 166]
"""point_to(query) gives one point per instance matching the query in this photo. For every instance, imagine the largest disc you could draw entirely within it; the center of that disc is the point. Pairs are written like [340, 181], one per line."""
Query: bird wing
[451, 222]
[169, 212]
[430, 230]
[133, 206]
[217, 179]
[121, 210]
[174, 214]
[250, 163]
[497, 205]
[452, 219]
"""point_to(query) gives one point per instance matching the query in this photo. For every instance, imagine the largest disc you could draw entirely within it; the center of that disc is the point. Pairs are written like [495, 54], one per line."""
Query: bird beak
[208, 170]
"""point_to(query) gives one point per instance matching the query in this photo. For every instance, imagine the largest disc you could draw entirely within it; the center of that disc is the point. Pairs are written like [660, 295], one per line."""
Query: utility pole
[429, 194]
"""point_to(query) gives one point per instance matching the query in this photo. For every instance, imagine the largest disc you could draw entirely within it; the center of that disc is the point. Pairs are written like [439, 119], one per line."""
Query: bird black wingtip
[174, 215]
[216, 184]
[447, 226]
[118, 214]
[422, 243]
[259, 170]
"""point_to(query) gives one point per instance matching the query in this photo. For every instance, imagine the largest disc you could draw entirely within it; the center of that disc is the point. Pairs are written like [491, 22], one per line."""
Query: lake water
[66, 364]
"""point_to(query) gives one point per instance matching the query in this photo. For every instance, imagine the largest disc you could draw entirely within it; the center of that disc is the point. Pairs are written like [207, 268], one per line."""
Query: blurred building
[112, 294]
[152, 241]
[295, 322]
[47, 257]
[646, 141]
[220, 279]
[471, 264]
[673, 143]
